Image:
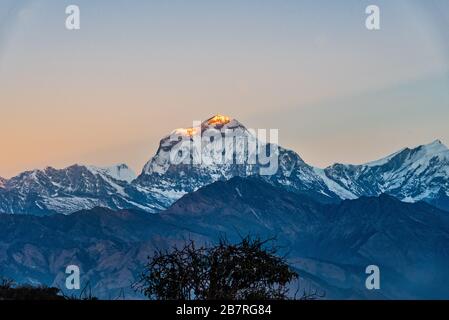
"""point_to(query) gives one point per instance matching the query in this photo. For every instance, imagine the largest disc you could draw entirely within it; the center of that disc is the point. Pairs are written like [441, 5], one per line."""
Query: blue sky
[137, 69]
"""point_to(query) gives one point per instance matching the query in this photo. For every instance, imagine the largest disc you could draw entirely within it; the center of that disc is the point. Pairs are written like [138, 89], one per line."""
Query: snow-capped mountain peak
[384, 160]
[218, 145]
[171, 145]
[433, 148]
[216, 122]
[421, 155]
[411, 175]
[427, 150]
[218, 119]
[221, 122]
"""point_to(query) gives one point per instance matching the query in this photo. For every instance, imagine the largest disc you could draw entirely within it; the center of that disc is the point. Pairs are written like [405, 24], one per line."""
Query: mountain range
[329, 245]
[330, 223]
[410, 175]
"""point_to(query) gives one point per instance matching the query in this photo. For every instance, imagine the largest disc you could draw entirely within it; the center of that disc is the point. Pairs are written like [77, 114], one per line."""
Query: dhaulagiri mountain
[329, 244]
[410, 175]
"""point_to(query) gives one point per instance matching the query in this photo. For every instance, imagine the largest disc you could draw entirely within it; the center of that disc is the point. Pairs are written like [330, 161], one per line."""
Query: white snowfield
[120, 172]
[410, 174]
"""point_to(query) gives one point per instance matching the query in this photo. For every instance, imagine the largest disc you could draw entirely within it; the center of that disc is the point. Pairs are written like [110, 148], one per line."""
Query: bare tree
[249, 269]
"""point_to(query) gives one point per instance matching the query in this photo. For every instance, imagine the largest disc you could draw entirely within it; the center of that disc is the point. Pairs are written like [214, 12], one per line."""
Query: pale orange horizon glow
[108, 93]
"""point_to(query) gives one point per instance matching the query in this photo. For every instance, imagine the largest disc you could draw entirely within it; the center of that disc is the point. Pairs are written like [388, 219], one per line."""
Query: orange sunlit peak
[219, 119]
[191, 131]
[186, 131]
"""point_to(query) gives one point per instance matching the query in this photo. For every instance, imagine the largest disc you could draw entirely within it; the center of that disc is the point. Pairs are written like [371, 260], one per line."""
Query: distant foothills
[410, 175]
[328, 245]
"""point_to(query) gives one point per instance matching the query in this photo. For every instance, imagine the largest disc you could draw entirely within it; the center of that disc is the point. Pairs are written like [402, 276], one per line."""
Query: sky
[107, 93]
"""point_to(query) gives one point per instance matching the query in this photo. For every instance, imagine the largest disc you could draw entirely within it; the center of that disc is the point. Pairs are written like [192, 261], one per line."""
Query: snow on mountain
[179, 165]
[119, 172]
[165, 158]
[2, 182]
[219, 149]
[68, 190]
[334, 186]
[174, 167]
[410, 175]
[423, 151]
[384, 160]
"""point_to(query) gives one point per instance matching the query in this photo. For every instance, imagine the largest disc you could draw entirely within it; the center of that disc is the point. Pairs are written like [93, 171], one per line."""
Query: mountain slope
[409, 241]
[109, 247]
[329, 244]
[410, 175]
[169, 171]
[68, 190]
[247, 203]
